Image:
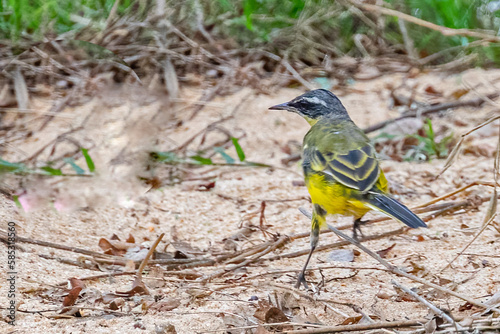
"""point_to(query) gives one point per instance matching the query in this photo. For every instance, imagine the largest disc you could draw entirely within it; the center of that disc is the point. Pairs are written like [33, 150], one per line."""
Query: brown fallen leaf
[459, 93]
[130, 239]
[352, 320]
[268, 313]
[465, 307]
[117, 303]
[419, 238]
[138, 288]
[165, 305]
[77, 286]
[433, 91]
[108, 298]
[383, 253]
[109, 248]
[417, 269]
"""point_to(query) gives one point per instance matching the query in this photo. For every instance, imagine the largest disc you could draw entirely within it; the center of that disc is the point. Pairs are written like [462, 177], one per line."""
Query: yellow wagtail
[341, 170]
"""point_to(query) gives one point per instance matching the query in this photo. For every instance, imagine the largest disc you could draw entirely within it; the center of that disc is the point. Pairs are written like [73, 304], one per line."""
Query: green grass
[40, 18]
[299, 29]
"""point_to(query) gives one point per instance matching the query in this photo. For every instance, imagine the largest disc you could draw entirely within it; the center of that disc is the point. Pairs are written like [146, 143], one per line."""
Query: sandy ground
[123, 125]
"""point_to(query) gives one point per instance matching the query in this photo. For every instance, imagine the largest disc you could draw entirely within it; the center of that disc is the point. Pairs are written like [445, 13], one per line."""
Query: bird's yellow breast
[336, 198]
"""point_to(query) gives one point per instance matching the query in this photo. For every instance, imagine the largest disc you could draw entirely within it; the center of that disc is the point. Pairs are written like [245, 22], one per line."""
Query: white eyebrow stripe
[315, 100]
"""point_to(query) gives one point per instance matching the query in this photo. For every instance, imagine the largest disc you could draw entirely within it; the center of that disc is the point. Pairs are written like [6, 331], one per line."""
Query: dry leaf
[165, 305]
[383, 253]
[116, 304]
[130, 239]
[383, 295]
[351, 320]
[465, 307]
[170, 77]
[417, 269]
[433, 91]
[109, 248]
[269, 313]
[459, 93]
[138, 288]
[21, 90]
[430, 326]
[77, 286]
[165, 329]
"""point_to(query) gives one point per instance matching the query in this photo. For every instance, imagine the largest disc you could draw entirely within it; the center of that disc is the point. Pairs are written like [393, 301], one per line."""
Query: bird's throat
[311, 121]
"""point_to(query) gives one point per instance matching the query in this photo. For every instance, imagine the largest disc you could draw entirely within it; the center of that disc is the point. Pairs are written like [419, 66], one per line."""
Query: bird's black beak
[283, 106]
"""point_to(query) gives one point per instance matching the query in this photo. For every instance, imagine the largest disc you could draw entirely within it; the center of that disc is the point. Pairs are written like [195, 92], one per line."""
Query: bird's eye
[302, 103]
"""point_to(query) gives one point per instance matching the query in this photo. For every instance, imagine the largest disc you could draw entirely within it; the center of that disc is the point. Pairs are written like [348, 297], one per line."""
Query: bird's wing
[358, 168]
[346, 155]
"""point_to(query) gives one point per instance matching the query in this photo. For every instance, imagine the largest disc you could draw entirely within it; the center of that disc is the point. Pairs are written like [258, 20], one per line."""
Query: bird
[341, 169]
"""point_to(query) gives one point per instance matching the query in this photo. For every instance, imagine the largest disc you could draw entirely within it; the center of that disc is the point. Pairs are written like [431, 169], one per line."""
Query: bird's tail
[394, 209]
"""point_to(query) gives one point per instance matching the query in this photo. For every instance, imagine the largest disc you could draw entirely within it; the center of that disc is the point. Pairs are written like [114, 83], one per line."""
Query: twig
[454, 153]
[129, 273]
[286, 271]
[213, 124]
[443, 30]
[59, 138]
[454, 192]
[148, 255]
[297, 76]
[207, 96]
[94, 277]
[276, 244]
[80, 264]
[396, 270]
[409, 45]
[477, 102]
[427, 304]
[59, 246]
[469, 243]
[360, 327]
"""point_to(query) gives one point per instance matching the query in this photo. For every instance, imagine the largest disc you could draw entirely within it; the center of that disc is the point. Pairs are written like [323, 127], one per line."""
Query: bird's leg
[314, 242]
[317, 220]
[357, 228]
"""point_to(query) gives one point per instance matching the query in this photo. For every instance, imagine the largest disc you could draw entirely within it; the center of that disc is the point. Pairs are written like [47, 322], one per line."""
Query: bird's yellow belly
[334, 197]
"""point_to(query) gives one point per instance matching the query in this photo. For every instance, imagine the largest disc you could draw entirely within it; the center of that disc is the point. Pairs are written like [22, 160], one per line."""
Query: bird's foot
[357, 228]
[301, 280]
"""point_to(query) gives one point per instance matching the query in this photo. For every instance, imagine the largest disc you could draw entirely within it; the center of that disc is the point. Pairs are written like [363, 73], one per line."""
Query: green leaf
[72, 163]
[239, 150]
[167, 157]
[249, 7]
[6, 166]
[224, 155]
[202, 160]
[52, 171]
[16, 200]
[88, 159]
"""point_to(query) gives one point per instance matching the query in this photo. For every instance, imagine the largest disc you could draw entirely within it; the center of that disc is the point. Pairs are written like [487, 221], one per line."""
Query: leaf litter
[196, 223]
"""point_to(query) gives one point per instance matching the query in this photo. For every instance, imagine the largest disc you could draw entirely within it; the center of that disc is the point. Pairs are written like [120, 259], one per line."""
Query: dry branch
[427, 304]
[360, 327]
[3, 237]
[477, 102]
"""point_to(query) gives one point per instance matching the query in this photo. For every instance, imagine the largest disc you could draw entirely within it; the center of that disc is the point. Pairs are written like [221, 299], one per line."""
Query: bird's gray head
[314, 104]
